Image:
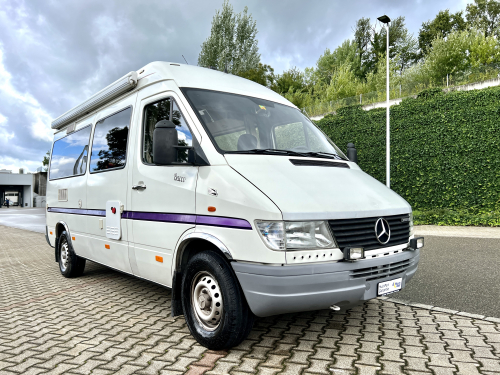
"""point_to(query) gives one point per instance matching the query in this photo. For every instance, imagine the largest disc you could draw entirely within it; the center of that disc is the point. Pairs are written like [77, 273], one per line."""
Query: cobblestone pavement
[108, 323]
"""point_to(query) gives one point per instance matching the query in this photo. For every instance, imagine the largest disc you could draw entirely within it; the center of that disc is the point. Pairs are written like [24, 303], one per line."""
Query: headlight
[294, 235]
[412, 232]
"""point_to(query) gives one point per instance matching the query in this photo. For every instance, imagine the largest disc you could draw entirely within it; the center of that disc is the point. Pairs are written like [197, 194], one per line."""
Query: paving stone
[121, 325]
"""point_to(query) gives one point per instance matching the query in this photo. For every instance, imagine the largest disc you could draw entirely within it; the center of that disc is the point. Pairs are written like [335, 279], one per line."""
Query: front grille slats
[361, 231]
[380, 272]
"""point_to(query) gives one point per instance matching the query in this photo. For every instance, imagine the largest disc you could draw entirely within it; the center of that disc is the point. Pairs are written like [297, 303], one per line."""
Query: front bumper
[272, 290]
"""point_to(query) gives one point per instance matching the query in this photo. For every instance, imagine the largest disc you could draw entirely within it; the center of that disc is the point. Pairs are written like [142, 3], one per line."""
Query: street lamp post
[384, 19]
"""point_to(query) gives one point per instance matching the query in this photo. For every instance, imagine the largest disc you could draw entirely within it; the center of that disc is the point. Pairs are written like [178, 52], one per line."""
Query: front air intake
[318, 163]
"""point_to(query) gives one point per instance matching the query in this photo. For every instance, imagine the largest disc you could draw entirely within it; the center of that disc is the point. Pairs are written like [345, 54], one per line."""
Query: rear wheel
[215, 308]
[70, 264]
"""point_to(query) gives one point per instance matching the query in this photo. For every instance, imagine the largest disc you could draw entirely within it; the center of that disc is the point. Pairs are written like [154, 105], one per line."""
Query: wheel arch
[61, 226]
[189, 245]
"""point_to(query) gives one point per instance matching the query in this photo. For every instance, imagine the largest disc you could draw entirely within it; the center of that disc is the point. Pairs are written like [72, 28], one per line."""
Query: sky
[55, 54]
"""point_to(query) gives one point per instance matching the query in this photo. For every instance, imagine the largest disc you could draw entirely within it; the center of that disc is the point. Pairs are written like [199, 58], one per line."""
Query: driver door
[162, 196]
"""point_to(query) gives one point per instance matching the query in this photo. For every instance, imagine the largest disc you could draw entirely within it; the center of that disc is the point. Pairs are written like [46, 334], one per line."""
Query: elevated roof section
[210, 79]
[183, 75]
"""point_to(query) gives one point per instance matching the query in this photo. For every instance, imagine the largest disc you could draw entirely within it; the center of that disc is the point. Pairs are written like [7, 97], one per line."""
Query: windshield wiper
[269, 151]
[324, 155]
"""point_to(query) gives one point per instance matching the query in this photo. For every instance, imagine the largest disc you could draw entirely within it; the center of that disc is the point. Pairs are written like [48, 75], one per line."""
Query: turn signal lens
[272, 233]
[159, 259]
[211, 209]
[73, 238]
[106, 246]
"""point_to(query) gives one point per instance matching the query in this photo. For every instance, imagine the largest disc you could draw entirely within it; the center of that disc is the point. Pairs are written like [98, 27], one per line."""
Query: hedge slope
[445, 148]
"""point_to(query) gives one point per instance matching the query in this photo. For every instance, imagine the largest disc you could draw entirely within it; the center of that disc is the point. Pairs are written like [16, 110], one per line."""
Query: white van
[222, 190]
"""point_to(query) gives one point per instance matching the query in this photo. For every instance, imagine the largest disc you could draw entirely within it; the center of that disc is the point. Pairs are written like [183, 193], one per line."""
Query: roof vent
[318, 163]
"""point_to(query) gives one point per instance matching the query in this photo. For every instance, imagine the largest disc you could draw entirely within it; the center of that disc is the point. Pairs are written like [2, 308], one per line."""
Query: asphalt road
[32, 219]
[457, 273]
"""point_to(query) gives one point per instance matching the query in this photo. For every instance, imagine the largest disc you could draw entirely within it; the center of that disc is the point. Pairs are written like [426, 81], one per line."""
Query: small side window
[69, 155]
[165, 109]
[109, 147]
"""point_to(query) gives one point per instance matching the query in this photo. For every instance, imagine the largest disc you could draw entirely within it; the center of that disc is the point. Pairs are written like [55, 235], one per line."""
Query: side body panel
[105, 186]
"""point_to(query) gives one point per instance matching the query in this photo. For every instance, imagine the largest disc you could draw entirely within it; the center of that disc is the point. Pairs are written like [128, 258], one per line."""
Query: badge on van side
[179, 178]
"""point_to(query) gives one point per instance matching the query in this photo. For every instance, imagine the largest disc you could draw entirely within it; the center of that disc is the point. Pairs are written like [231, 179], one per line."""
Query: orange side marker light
[50, 232]
[211, 209]
[106, 246]
[159, 259]
[73, 238]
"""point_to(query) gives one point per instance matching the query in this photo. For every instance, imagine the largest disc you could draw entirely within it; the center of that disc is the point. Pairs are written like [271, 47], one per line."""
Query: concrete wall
[27, 196]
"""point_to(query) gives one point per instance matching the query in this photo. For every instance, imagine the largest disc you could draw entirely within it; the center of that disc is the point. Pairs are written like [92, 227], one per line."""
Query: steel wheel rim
[206, 300]
[64, 256]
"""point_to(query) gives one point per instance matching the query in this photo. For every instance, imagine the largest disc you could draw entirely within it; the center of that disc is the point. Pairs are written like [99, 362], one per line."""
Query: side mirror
[352, 153]
[165, 141]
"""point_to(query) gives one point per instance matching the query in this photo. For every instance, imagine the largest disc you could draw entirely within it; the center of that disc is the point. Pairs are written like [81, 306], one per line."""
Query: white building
[18, 187]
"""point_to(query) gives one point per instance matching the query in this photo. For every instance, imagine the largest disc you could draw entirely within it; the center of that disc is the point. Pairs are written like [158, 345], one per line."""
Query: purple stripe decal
[77, 211]
[217, 221]
[157, 216]
[223, 222]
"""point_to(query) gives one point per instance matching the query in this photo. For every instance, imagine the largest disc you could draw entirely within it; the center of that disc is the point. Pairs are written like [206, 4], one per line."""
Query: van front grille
[379, 272]
[361, 232]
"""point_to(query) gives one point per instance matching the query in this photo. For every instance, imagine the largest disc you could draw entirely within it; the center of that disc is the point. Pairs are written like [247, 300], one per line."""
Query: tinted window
[109, 147]
[165, 109]
[69, 154]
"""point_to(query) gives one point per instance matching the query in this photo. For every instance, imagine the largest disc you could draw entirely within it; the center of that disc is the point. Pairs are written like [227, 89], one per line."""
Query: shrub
[445, 148]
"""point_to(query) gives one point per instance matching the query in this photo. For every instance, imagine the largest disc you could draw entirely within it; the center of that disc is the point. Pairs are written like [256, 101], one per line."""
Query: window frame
[143, 130]
[67, 135]
[128, 137]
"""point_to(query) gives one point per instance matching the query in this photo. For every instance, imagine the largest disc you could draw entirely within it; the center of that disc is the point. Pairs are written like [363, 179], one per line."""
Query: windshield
[243, 124]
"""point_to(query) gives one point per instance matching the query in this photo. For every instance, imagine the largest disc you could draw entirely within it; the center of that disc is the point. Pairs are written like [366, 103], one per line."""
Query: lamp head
[384, 19]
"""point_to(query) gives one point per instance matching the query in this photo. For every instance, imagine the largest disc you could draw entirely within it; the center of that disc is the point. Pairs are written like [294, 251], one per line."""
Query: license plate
[389, 286]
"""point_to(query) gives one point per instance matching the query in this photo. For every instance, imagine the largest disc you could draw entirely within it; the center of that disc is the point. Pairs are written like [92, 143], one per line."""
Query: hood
[318, 192]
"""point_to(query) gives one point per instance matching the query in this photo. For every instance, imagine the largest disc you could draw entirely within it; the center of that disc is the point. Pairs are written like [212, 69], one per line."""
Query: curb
[440, 309]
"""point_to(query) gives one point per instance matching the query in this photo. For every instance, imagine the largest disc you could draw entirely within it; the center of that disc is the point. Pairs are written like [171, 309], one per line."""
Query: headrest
[164, 124]
[247, 142]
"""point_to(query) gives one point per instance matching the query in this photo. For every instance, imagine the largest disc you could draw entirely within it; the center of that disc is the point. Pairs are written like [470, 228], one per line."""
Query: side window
[69, 154]
[109, 147]
[290, 136]
[165, 109]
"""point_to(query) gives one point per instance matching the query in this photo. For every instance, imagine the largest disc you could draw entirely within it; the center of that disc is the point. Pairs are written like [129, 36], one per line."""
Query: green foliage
[46, 161]
[329, 62]
[232, 43]
[443, 24]
[262, 74]
[484, 15]
[457, 217]
[445, 148]
[292, 79]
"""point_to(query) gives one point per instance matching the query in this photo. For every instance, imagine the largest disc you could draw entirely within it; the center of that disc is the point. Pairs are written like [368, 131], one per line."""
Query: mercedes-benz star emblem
[382, 231]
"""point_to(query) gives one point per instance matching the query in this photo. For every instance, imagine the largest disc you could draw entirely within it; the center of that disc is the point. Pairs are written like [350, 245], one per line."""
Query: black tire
[236, 319]
[70, 264]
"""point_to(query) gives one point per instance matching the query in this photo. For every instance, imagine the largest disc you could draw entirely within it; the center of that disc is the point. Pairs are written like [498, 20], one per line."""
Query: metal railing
[473, 76]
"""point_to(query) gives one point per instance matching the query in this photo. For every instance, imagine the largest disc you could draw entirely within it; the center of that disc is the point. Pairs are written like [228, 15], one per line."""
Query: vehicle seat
[247, 142]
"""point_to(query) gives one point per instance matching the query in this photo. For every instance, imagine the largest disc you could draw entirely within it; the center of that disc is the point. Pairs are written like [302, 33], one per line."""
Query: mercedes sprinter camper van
[222, 190]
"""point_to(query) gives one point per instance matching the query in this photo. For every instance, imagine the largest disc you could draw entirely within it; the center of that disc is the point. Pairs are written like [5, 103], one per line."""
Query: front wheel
[215, 308]
[70, 264]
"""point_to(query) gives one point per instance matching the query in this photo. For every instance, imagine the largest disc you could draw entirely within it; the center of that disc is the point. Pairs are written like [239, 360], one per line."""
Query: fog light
[353, 253]
[416, 243]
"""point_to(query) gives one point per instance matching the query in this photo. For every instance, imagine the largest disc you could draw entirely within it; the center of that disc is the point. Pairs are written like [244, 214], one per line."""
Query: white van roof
[183, 75]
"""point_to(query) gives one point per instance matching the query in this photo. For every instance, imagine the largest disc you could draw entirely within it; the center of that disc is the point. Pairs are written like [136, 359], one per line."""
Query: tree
[115, 155]
[262, 74]
[232, 44]
[407, 49]
[346, 53]
[484, 15]
[363, 39]
[46, 161]
[441, 26]
[292, 79]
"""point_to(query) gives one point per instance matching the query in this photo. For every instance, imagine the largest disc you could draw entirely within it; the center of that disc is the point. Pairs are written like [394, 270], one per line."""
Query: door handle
[139, 187]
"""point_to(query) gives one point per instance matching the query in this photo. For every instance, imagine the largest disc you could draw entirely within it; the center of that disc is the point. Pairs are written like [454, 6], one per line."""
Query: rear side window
[109, 147]
[69, 154]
